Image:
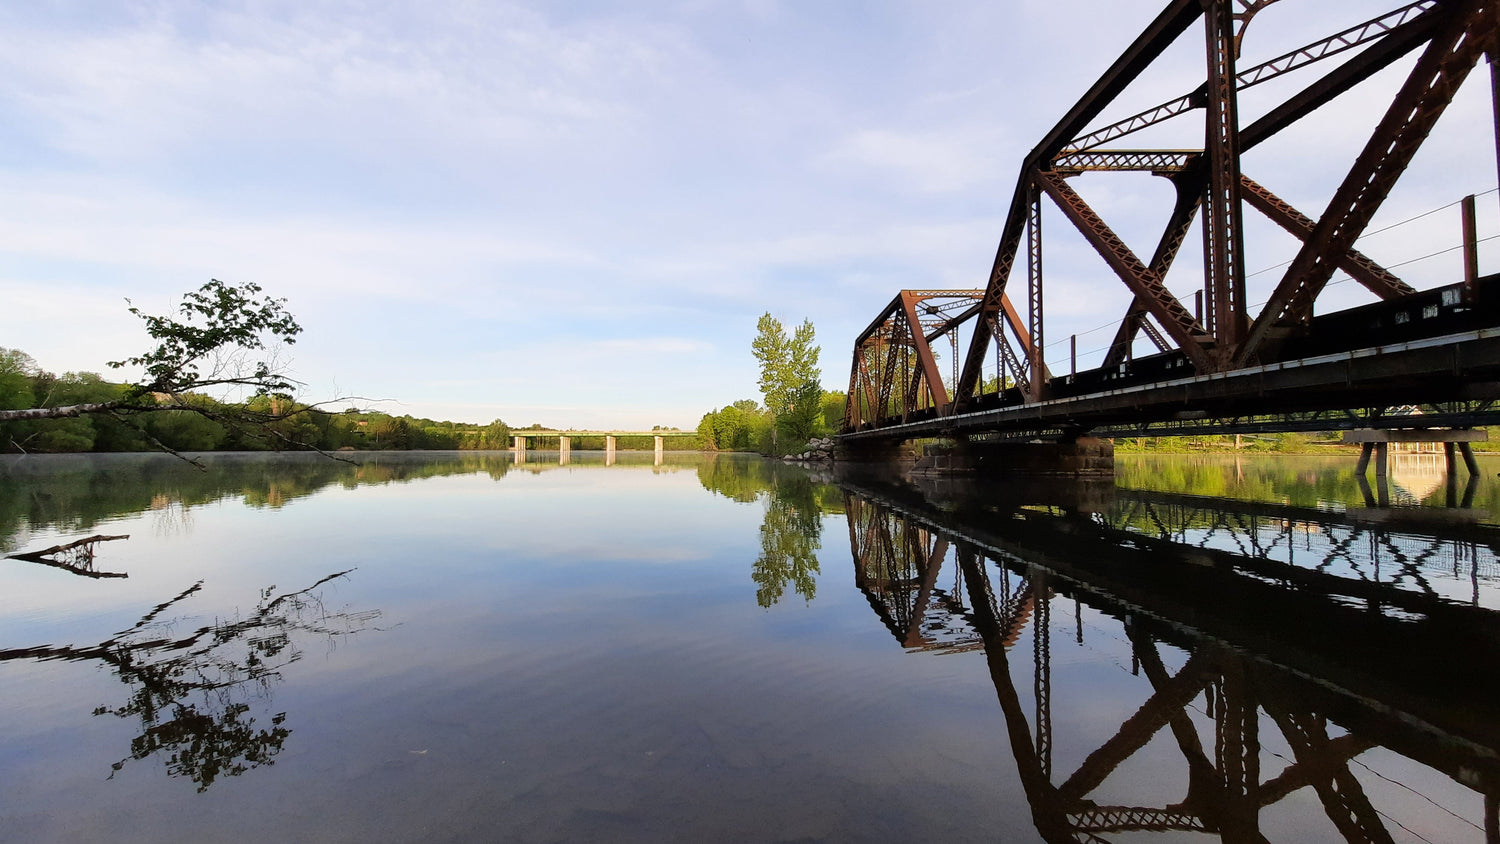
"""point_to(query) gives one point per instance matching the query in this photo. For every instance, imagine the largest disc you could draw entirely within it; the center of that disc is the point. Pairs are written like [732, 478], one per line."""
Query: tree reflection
[191, 694]
[790, 536]
[791, 531]
[77, 557]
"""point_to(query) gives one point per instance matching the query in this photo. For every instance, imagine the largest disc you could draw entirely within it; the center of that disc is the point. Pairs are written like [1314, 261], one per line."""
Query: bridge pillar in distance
[520, 443]
[564, 450]
[659, 441]
[609, 451]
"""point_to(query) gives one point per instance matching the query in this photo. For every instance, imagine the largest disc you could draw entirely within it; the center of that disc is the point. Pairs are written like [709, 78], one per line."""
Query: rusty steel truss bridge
[1412, 359]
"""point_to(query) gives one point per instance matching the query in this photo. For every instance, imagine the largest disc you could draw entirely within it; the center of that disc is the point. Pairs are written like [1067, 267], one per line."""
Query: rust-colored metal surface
[902, 371]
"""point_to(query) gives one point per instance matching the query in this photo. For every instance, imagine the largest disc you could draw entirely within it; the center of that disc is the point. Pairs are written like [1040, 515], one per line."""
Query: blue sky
[574, 213]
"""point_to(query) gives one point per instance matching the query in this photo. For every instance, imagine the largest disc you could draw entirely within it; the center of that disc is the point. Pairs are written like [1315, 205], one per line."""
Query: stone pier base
[1085, 457]
[880, 457]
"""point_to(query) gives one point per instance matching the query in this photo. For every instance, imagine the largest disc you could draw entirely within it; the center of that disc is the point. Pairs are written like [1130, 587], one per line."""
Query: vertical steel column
[1471, 251]
[1495, 98]
[1238, 746]
[1034, 289]
[1042, 656]
[1223, 231]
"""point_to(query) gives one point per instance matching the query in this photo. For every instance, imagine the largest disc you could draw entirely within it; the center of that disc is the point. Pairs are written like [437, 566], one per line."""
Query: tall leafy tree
[789, 375]
[222, 336]
[214, 341]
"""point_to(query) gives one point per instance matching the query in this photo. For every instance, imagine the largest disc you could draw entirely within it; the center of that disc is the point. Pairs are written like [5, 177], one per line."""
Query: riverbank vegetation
[197, 422]
[213, 380]
[1319, 442]
[796, 407]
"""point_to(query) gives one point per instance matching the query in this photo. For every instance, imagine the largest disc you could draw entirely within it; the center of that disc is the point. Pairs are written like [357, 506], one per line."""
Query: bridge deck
[1435, 370]
[1439, 349]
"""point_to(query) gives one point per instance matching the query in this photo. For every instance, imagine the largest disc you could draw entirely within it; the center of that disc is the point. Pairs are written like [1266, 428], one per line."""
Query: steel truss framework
[1012, 579]
[894, 374]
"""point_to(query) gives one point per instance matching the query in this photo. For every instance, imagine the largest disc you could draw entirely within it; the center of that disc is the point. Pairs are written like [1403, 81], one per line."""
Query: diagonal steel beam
[1455, 48]
[1146, 284]
[1355, 36]
[1138, 729]
[1189, 186]
[1401, 41]
[1343, 797]
[1156, 38]
[1360, 267]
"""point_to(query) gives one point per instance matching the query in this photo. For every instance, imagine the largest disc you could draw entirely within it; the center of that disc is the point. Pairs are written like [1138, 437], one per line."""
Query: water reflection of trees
[1297, 480]
[1255, 688]
[74, 493]
[790, 536]
[196, 696]
[791, 530]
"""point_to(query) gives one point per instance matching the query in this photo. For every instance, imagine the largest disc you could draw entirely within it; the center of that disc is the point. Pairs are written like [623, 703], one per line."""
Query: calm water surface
[457, 647]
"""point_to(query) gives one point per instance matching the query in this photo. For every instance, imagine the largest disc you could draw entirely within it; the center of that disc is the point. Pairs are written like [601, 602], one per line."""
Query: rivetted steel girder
[1450, 37]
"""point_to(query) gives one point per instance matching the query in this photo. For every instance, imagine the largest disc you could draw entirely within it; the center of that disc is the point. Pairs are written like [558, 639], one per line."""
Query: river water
[461, 646]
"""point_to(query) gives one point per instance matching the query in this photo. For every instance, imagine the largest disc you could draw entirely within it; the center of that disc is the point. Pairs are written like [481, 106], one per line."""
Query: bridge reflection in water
[1252, 683]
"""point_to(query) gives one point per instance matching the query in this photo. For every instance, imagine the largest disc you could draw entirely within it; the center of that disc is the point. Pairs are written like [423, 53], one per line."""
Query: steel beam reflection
[1325, 667]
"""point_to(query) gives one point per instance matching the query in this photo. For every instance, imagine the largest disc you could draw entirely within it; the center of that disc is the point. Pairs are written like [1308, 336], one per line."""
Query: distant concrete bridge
[565, 439]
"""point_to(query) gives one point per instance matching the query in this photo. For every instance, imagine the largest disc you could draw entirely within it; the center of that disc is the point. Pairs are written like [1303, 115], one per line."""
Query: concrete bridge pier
[520, 444]
[1379, 440]
[1080, 457]
[658, 450]
[564, 450]
[609, 451]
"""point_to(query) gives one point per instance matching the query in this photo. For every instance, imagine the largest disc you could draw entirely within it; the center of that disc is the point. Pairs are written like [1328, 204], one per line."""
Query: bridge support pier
[520, 444]
[884, 455]
[609, 451]
[1083, 457]
[564, 450]
[1378, 441]
[658, 450]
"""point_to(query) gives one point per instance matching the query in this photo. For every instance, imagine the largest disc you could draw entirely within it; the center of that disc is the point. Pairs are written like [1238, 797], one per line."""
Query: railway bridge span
[1194, 357]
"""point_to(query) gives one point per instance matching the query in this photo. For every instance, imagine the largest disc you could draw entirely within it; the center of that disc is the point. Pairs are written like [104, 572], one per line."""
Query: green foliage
[738, 427]
[1281, 443]
[789, 378]
[790, 536]
[834, 403]
[17, 370]
[218, 321]
[195, 422]
[791, 530]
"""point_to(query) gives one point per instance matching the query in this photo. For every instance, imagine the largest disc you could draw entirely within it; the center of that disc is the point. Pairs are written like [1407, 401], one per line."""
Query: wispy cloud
[480, 206]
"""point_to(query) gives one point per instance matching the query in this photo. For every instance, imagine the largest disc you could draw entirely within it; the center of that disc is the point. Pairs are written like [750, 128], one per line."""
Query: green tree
[17, 369]
[221, 326]
[221, 336]
[737, 427]
[833, 403]
[789, 376]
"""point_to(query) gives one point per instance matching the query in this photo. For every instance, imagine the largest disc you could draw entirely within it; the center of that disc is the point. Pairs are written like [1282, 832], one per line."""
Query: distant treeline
[187, 430]
[219, 426]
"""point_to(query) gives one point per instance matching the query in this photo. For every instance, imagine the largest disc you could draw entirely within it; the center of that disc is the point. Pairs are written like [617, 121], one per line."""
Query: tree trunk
[56, 412]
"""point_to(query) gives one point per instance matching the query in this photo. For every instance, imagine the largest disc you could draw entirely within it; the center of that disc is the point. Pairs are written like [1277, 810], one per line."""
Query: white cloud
[932, 161]
[520, 205]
